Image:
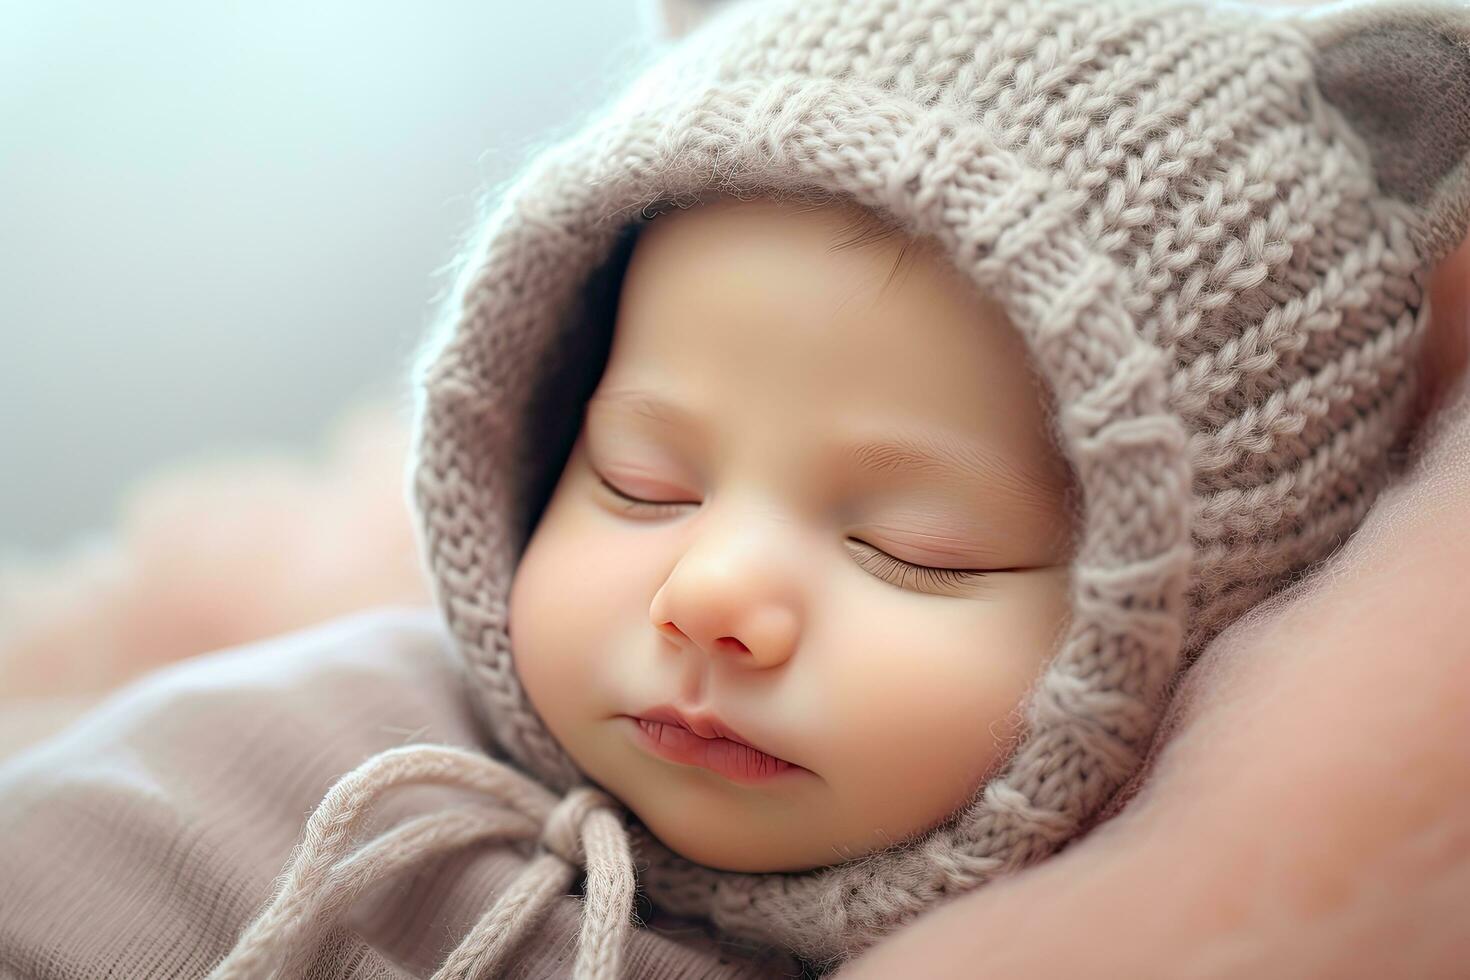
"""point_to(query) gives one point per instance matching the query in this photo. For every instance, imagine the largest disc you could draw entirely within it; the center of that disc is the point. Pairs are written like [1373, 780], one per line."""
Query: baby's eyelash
[633, 503]
[933, 577]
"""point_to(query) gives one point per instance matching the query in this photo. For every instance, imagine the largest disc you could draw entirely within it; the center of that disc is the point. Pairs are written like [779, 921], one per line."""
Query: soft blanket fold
[146, 836]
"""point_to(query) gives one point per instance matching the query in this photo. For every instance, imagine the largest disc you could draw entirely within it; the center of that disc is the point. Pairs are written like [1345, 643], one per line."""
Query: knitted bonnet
[1212, 224]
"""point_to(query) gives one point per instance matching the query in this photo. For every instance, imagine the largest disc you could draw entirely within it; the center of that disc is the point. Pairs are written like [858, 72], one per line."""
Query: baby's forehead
[790, 327]
[802, 242]
[757, 302]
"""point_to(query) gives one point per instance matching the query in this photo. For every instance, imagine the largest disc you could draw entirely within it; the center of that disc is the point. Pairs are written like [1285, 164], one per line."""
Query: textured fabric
[1212, 228]
[1436, 487]
[139, 841]
[1178, 206]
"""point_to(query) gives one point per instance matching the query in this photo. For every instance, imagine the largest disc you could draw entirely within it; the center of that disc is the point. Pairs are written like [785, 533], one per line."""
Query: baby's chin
[790, 823]
[707, 819]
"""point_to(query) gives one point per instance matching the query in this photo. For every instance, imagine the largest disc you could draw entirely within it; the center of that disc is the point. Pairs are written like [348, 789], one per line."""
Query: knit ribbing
[1221, 295]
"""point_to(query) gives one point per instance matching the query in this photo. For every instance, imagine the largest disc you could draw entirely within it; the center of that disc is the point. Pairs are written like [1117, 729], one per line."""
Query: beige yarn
[325, 875]
[1211, 225]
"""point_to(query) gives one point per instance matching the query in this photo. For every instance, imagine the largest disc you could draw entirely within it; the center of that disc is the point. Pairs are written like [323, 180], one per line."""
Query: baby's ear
[1399, 71]
[675, 18]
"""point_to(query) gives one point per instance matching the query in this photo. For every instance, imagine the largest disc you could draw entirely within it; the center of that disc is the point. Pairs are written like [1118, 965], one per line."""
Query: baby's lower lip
[730, 759]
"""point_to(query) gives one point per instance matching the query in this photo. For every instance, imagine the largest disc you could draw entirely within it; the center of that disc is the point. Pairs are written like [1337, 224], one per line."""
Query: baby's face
[776, 405]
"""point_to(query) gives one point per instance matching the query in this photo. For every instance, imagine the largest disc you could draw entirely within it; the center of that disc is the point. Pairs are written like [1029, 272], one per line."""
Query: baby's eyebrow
[648, 404]
[947, 458]
[944, 456]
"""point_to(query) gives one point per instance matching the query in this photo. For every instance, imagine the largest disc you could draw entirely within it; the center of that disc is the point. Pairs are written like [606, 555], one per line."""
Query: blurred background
[223, 229]
[220, 224]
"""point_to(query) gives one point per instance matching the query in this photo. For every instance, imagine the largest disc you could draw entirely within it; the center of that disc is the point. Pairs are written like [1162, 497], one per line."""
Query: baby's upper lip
[702, 723]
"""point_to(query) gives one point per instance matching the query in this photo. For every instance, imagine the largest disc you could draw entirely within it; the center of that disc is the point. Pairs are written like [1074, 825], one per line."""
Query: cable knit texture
[1212, 224]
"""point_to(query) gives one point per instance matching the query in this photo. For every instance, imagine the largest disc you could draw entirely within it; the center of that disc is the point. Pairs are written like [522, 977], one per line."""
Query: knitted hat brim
[1021, 236]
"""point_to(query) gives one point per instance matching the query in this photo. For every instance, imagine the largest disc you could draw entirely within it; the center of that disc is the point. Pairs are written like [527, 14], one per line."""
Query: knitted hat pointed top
[1212, 224]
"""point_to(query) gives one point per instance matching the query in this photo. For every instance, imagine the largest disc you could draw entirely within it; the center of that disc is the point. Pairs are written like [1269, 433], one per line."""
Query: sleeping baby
[836, 452]
[809, 549]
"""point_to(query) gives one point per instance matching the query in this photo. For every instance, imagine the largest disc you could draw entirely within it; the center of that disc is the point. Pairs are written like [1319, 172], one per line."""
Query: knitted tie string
[417, 839]
[584, 828]
[324, 877]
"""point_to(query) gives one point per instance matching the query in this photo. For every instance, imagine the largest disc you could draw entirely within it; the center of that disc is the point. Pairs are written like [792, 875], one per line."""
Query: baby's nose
[769, 637]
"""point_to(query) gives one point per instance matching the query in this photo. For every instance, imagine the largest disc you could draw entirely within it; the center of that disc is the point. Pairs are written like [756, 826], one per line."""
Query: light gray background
[221, 223]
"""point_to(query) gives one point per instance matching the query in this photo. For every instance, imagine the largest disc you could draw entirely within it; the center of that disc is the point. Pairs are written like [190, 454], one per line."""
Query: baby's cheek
[550, 621]
[578, 609]
[532, 623]
[929, 695]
